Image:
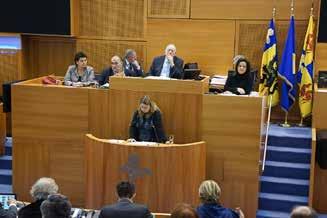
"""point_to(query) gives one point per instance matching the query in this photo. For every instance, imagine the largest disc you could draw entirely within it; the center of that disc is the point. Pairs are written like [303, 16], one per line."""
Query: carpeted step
[271, 214]
[286, 154]
[289, 142]
[287, 170]
[279, 202]
[5, 177]
[8, 150]
[284, 186]
[5, 188]
[5, 162]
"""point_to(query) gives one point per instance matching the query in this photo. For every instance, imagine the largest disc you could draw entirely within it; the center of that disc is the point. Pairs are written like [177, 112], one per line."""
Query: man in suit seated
[131, 65]
[125, 207]
[168, 65]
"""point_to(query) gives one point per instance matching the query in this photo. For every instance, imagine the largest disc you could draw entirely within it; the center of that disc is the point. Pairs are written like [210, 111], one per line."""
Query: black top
[175, 72]
[125, 208]
[235, 80]
[147, 128]
[31, 211]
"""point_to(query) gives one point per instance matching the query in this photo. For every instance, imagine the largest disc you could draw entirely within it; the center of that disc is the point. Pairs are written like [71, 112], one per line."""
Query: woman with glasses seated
[240, 82]
[79, 74]
[116, 69]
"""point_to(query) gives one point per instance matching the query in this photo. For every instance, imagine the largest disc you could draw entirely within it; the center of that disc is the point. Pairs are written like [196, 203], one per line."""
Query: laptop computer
[4, 197]
[192, 74]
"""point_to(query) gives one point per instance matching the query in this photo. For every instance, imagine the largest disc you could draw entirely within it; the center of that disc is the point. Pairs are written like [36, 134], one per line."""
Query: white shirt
[165, 71]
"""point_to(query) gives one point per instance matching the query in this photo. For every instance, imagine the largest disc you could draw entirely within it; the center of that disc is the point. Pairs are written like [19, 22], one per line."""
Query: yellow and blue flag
[268, 72]
[305, 72]
[286, 69]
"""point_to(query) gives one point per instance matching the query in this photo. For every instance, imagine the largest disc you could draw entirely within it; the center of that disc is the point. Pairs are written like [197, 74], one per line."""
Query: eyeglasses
[114, 63]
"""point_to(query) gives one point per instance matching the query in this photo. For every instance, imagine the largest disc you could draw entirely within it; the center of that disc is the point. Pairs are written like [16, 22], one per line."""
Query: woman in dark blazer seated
[146, 124]
[240, 82]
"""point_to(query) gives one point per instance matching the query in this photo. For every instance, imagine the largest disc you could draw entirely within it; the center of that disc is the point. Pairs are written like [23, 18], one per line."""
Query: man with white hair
[40, 191]
[168, 65]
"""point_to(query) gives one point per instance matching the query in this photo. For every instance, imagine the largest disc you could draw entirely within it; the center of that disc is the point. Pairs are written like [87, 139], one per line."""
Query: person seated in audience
[131, 65]
[168, 65]
[40, 191]
[125, 207]
[239, 82]
[209, 193]
[79, 74]
[116, 69]
[303, 212]
[146, 124]
[56, 206]
[11, 212]
[184, 211]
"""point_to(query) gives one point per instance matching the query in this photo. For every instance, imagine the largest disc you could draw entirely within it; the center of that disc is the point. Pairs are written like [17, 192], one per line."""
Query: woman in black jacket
[146, 124]
[240, 82]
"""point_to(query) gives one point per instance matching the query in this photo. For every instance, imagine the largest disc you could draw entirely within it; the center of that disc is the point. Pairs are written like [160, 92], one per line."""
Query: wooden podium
[164, 175]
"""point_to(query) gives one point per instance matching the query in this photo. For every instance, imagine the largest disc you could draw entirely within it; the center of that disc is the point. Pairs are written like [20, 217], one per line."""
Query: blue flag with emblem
[286, 70]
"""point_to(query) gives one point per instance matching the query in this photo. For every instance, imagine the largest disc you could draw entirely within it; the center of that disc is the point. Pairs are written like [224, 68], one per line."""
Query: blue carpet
[285, 181]
[6, 168]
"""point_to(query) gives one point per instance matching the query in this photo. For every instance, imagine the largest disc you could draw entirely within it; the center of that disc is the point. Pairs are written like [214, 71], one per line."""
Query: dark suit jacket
[125, 208]
[157, 132]
[104, 77]
[132, 72]
[10, 213]
[175, 72]
[31, 211]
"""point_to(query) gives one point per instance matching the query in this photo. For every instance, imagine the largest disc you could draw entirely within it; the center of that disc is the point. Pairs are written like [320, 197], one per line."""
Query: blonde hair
[147, 101]
[209, 191]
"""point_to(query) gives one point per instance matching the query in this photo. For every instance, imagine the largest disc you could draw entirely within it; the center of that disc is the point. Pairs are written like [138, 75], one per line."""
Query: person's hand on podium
[241, 91]
[131, 140]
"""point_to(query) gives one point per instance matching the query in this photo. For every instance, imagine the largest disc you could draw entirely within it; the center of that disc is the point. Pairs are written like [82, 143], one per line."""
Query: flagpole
[285, 124]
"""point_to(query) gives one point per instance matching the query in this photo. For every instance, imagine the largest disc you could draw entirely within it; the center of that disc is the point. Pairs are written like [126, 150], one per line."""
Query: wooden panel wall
[321, 57]
[9, 66]
[169, 8]
[112, 18]
[46, 55]
[250, 9]
[210, 43]
[100, 51]
[45, 145]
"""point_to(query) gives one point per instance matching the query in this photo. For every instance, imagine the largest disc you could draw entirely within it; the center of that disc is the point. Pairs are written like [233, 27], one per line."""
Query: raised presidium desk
[50, 123]
[164, 174]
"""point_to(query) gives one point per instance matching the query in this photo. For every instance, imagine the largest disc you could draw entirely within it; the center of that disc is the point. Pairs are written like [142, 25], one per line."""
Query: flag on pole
[286, 69]
[268, 72]
[305, 72]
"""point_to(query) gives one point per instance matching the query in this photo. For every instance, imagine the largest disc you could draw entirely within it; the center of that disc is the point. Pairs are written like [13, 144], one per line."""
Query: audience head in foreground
[303, 212]
[209, 193]
[56, 206]
[40, 191]
[125, 207]
[184, 211]
[146, 124]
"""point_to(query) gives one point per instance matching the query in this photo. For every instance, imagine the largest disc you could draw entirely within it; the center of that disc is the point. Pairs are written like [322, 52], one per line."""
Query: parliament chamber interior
[167, 106]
